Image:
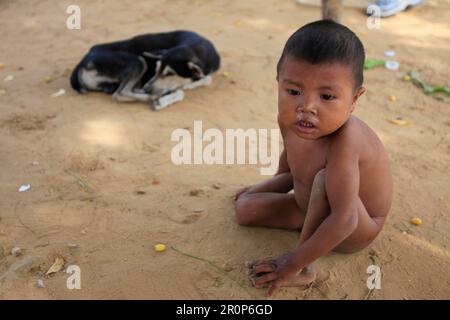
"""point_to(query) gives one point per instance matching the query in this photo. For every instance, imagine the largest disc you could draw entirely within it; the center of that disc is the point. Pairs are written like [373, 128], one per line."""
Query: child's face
[315, 100]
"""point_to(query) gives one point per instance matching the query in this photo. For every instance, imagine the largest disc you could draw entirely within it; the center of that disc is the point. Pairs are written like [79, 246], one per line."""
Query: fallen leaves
[56, 266]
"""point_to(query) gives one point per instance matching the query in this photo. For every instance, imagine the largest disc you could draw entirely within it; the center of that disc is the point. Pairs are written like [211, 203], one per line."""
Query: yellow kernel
[407, 78]
[226, 74]
[392, 98]
[399, 122]
[160, 247]
[416, 221]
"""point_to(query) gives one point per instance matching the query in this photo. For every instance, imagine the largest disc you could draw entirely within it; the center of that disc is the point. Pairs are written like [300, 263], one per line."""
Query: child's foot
[391, 7]
[305, 277]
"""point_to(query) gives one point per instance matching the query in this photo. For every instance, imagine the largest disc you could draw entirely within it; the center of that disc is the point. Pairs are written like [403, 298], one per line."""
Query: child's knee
[244, 209]
[319, 182]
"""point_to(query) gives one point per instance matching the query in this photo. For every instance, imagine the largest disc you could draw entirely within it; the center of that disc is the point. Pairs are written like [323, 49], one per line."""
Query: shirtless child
[335, 163]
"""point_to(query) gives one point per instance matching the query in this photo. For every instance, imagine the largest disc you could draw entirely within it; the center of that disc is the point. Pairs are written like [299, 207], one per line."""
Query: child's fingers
[254, 263]
[250, 264]
[265, 278]
[263, 268]
[274, 287]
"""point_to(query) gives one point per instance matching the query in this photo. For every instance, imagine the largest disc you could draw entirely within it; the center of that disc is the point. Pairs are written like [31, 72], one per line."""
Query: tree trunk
[331, 10]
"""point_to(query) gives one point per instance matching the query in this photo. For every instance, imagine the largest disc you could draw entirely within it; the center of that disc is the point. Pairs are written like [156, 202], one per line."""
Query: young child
[335, 163]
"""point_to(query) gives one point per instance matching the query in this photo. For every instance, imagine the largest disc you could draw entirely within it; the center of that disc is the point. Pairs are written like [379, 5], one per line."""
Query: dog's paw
[168, 99]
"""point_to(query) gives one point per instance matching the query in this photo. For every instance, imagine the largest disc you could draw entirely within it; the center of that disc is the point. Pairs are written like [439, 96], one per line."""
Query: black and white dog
[131, 69]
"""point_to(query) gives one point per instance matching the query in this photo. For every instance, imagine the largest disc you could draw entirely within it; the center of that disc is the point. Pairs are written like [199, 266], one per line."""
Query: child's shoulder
[354, 134]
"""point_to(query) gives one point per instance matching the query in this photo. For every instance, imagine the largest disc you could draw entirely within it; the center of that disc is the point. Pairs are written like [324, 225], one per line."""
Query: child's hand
[275, 273]
[241, 191]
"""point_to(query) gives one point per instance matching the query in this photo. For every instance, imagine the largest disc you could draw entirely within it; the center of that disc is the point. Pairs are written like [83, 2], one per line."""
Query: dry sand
[101, 175]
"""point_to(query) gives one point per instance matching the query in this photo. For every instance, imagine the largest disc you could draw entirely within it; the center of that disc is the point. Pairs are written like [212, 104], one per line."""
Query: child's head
[320, 76]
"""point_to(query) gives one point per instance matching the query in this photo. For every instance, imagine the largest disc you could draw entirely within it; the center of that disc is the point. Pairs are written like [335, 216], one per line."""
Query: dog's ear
[196, 69]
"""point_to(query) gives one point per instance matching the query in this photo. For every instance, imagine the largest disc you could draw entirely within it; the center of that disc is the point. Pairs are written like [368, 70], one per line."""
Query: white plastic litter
[24, 187]
[168, 99]
[392, 65]
[40, 284]
[60, 92]
[390, 53]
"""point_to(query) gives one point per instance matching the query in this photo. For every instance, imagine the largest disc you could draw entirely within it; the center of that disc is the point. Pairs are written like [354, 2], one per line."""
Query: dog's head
[181, 61]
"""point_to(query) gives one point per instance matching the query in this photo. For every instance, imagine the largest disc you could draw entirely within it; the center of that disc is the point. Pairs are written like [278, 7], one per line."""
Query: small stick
[80, 181]
[213, 265]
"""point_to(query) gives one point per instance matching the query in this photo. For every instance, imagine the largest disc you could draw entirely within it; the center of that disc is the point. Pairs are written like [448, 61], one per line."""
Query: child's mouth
[305, 126]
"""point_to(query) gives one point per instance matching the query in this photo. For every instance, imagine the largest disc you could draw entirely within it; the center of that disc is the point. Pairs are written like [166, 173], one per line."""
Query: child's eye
[293, 92]
[327, 97]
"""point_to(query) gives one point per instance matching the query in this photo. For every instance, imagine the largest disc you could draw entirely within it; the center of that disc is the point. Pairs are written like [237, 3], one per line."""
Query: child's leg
[318, 211]
[268, 204]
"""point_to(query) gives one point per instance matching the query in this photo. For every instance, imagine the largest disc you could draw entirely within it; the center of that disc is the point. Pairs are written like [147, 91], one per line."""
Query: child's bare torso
[307, 157]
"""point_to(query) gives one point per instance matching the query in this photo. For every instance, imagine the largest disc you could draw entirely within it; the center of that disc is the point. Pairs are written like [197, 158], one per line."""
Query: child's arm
[342, 189]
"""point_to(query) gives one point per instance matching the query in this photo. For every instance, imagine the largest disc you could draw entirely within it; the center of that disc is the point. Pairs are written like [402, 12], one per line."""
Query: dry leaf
[57, 266]
[61, 92]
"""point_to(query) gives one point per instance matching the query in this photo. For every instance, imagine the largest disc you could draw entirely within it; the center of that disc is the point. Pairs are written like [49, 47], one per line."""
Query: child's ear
[358, 93]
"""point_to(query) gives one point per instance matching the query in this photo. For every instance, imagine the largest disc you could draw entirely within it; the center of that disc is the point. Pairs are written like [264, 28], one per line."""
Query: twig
[369, 293]
[221, 270]
[80, 181]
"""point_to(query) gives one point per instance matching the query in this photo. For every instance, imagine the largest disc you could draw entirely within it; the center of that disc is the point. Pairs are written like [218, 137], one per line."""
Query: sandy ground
[102, 179]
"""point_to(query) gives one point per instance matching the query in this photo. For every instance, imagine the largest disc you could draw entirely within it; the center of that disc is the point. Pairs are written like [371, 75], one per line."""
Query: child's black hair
[326, 41]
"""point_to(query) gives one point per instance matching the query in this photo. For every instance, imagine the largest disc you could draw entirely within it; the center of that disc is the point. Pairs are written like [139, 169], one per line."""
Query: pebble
[16, 251]
[195, 192]
[227, 267]
[2, 92]
[72, 245]
[40, 283]
[216, 186]
[9, 77]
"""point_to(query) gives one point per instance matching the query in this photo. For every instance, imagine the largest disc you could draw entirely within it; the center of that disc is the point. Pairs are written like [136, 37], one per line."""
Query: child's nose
[307, 105]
